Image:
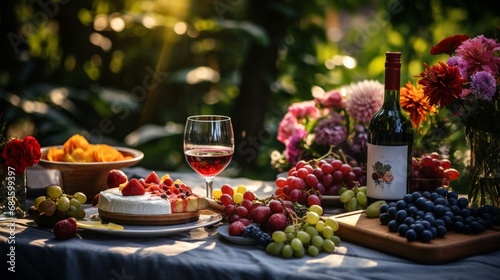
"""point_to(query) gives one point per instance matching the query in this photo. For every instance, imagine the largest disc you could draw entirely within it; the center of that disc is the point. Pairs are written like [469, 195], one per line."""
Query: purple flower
[359, 139]
[293, 149]
[460, 64]
[483, 84]
[330, 131]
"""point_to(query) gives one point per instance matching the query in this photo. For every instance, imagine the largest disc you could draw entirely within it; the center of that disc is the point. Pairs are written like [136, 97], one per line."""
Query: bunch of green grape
[57, 202]
[311, 235]
[354, 199]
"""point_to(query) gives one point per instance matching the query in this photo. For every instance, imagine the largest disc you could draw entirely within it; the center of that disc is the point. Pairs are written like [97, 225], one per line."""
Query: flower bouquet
[15, 156]
[337, 118]
[468, 86]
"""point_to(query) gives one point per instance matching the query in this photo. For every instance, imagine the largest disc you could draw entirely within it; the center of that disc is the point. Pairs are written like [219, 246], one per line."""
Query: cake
[112, 200]
[149, 201]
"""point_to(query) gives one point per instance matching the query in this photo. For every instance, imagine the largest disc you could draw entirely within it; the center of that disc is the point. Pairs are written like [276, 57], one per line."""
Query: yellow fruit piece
[74, 142]
[55, 154]
[81, 197]
[238, 198]
[317, 209]
[177, 182]
[331, 222]
[81, 155]
[320, 226]
[38, 200]
[164, 177]
[312, 218]
[327, 232]
[122, 185]
[98, 224]
[241, 189]
[78, 149]
[216, 194]
[106, 153]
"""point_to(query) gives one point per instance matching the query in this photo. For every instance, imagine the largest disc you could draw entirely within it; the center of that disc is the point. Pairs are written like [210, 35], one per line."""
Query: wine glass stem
[209, 185]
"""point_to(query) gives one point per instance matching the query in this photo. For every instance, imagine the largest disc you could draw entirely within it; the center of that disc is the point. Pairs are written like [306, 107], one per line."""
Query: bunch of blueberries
[425, 216]
[254, 231]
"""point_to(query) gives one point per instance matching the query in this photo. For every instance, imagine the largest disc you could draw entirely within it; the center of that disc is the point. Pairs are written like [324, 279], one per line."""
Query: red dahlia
[448, 45]
[442, 83]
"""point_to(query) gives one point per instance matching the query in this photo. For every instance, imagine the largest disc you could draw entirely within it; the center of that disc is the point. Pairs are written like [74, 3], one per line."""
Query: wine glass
[208, 145]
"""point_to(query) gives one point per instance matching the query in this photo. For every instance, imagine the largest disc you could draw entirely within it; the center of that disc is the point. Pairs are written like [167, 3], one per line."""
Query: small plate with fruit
[224, 232]
[206, 218]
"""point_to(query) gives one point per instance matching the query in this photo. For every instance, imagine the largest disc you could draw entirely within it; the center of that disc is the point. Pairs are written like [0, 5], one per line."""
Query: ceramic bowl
[88, 177]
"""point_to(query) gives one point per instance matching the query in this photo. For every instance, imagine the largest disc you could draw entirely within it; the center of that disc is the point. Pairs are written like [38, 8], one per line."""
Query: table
[202, 254]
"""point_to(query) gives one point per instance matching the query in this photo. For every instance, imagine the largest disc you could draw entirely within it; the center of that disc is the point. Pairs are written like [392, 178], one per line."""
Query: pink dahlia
[330, 99]
[287, 127]
[364, 99]
[479, 54]
[460, 64]
[304, 109]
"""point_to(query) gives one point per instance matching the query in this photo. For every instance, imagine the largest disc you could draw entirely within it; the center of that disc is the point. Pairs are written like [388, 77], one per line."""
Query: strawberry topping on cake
[133, 187]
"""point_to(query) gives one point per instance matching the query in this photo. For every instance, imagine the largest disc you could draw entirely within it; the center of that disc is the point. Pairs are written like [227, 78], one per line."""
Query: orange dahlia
[415, 103]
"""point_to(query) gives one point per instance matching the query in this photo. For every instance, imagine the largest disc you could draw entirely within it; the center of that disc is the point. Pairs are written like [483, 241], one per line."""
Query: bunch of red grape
[430, 172]
[242, 208]
[308, 181]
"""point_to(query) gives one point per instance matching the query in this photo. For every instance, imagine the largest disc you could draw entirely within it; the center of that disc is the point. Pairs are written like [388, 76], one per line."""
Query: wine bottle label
[387, 171]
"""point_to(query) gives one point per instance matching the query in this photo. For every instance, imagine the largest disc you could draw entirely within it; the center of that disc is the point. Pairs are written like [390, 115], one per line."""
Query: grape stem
[265, 201]
[330, 153]
[296, 220]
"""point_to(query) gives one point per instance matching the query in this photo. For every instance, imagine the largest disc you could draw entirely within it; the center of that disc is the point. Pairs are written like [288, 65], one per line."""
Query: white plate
[223, 231]
[148, 231]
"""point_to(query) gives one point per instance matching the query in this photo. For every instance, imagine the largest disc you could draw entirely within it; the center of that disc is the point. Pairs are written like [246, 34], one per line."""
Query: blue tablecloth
[202, 254]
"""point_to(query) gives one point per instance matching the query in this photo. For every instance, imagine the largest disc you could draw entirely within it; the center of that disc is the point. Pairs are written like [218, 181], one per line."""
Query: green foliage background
[129, 72]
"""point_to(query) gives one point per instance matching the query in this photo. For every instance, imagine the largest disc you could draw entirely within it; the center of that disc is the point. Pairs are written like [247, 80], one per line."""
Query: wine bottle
[390, 137]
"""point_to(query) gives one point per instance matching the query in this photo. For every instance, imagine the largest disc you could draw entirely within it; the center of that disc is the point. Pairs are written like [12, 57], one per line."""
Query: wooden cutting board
[355, 227]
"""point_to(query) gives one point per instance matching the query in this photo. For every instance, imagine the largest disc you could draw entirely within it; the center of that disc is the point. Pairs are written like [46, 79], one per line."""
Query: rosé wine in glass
[208, 145]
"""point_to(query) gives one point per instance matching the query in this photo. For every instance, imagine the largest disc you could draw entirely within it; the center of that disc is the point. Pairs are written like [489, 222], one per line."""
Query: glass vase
[484, 188]
[12, 193]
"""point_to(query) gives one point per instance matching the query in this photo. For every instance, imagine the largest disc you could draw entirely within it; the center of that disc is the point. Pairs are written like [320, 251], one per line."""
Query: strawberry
[72, 221]
[95, 200]
[167, 180]
[115, 178]
[143, 182]
[133, 187]
[152, 178]
[65, 229]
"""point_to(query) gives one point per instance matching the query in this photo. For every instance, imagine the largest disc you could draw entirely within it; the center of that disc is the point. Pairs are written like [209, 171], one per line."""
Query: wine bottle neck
[392, 71]
[392, 79]
[391, 99]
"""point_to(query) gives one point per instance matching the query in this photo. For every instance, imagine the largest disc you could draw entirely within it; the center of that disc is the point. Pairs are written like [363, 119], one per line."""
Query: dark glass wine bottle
[389, 141]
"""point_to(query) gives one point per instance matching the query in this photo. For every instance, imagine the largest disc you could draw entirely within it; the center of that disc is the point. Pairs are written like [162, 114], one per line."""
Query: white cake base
[112, 200]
